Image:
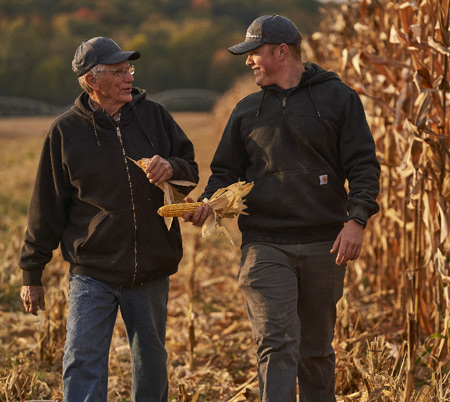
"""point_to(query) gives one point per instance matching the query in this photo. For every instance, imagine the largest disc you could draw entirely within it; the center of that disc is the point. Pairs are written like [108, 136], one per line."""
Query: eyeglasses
[122, 72]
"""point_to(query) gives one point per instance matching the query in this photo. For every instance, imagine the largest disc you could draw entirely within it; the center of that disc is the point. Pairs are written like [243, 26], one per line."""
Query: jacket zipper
[283, 104]
[119, 136]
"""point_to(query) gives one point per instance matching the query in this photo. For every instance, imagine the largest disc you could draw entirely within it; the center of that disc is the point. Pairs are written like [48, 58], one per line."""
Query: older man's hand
[159, 170]
[33, 298]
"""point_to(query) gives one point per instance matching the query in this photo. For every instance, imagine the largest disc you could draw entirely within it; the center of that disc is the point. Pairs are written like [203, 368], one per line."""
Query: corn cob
[179, 209]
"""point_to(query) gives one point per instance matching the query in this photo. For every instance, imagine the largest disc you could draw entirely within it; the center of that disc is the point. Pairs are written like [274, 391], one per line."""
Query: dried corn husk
[171, 194]
[226, 202]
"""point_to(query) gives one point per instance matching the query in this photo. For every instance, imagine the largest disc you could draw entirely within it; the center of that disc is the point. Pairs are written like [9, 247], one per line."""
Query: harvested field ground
[393, 327]
[211, 352]
[202, 296]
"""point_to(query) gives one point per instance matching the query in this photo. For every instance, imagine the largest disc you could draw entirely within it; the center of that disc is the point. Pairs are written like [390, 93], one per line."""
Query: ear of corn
[225, 202]
[177, 210]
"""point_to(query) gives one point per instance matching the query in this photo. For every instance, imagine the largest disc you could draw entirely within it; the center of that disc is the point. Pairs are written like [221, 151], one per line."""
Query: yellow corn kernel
[176, 210]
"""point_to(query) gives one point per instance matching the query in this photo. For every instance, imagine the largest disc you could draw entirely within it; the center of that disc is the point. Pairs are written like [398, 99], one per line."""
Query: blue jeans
[291, 291]
[93, 307]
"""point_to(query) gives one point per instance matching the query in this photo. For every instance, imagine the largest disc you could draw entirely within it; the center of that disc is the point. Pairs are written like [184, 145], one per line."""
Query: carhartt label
[323, 179]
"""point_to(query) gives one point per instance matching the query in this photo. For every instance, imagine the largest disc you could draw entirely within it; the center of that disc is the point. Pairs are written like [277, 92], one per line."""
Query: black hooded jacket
[97, 204]
[299, 148]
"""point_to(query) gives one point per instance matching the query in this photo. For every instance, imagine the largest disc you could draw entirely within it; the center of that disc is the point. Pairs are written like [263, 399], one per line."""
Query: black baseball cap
[268, 29]
[99, 50]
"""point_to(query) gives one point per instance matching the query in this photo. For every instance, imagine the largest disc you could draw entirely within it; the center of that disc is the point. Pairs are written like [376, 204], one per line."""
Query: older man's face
[112, 88]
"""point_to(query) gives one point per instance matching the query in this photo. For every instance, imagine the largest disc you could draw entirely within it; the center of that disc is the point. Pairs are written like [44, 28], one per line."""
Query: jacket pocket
[108, 240]
[299, 198]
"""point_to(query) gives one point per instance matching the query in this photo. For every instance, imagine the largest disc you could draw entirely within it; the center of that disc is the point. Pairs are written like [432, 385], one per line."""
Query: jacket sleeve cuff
[359, 215]
[32, 278]
[360, 221]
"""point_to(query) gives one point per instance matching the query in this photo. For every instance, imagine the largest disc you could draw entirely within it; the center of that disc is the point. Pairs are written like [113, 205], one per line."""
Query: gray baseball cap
[268, 29]
[99, 50]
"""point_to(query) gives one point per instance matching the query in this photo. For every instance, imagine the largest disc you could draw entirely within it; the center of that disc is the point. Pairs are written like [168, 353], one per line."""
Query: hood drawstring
[260, 103]
[142, 126]
[94, 125]
[312, 99]
[93, 119]
[95, 128]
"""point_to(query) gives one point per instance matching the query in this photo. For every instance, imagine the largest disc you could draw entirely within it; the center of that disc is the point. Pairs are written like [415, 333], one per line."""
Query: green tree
[154, 66]
[183, 42]
[191, 50]
[60, 86]
[21, 48]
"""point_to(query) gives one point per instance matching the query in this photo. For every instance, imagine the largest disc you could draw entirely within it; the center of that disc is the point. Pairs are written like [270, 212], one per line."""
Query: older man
[95, 203]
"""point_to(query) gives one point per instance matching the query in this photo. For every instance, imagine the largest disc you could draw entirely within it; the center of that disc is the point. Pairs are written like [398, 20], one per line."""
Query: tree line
[183, 43]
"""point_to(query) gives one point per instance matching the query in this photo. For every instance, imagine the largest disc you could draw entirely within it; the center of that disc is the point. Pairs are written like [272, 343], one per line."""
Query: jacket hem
[299, 236]
[115, 278]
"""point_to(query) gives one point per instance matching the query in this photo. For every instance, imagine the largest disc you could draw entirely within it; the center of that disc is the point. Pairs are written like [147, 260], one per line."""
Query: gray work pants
[291, 291]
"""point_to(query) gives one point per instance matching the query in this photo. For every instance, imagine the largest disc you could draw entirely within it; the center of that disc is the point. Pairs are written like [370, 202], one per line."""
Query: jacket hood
[313, 75]
[82, 108]
[81, 105]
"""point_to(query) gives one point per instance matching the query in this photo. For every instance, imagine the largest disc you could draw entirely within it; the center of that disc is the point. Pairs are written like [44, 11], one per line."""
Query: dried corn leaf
[440, 263]
[416, 30]
[409, 157]
[423, 104]
[344, 60]
[245, 394]
[443, 22]
[438, 47]
[394, 215]
[416, 59]
[444, 225]
[423, 81]
[406, 13]
[428, 221]
[394, 36]
[356, 62]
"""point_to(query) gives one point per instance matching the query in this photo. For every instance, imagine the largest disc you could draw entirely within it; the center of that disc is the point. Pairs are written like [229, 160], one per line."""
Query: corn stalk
[396, 56]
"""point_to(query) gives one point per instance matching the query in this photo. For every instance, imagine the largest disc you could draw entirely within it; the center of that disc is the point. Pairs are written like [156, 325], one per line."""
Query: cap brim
[119, 57]
[244, 47]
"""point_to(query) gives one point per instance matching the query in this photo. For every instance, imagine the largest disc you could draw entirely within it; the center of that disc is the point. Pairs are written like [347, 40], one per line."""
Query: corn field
[396, 55]
[393, 331]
